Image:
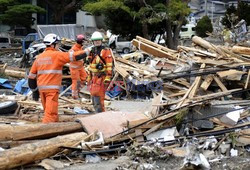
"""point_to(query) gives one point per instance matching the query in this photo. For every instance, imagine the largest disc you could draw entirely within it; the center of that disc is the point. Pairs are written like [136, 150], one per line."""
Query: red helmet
[80, 38]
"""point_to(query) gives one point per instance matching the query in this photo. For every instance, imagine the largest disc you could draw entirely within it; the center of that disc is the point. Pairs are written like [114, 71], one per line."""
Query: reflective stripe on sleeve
[71, 55]
[49, 72]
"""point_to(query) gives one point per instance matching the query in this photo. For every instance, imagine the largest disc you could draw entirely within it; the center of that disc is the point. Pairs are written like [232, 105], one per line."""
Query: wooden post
[28, 153]
[37, 131]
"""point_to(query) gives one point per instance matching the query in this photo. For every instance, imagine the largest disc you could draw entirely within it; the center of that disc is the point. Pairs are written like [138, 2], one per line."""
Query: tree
[61, 7]
[243, 12]
[203, 26]
[141, 17]
[229, 18]
[233, 15]
[14, 13]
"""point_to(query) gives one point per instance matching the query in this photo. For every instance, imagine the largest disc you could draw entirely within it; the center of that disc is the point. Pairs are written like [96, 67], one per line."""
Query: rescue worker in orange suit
[45, 76]
[100, 68]
[77, 71]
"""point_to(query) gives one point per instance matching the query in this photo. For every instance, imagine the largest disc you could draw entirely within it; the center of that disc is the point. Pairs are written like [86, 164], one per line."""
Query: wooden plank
[156, 109]
[217, 121]
[206, 83]
[152, 50]
[241, 50]
[231, 74]
[28, 153]
[208, 96]
[182, 81]
[209, 61]
[154, 128]
[180, 93]
[139, 135]
[206, 53]
[122, 71]
[233, 55]
[155, 45]
[62, 93]
[113, 81]
[180, 103]
[197, 84]
[246, 84]
[221, 85]
[135, 65]
[35, 118]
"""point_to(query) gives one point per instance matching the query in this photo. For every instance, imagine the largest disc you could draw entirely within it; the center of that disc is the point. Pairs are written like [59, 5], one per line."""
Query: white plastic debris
[233, 152]
[166, 134]
[194, 156]
[78, 110]
[210, 142]
[99, 141]
[93, 158]
[198, 160]
[224, 147]
[232, 118]
[1, 149]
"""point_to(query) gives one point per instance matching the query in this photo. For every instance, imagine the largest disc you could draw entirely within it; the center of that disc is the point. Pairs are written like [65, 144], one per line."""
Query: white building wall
[88, 21]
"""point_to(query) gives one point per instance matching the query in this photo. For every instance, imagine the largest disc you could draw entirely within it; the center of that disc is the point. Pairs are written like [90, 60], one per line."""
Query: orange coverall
[47, 69]
[78, 73]
[97, 77]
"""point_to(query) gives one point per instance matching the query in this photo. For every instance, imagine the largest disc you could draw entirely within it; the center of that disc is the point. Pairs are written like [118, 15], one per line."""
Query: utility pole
[205, 7]
[34, 15]
[212, 12]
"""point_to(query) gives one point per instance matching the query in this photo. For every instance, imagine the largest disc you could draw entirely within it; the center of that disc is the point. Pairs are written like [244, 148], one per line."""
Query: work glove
[107, 80]
[35, 95]
[88, 50]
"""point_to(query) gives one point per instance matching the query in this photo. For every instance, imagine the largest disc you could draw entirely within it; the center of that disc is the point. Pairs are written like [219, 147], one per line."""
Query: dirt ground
[173, 163]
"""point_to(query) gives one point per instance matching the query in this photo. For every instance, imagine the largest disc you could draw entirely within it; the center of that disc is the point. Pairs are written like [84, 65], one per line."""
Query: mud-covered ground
[173, 163]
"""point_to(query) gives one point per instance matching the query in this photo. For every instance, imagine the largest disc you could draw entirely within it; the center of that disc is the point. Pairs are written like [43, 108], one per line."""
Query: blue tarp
[5, 83]
[114, 92]
[22, 87]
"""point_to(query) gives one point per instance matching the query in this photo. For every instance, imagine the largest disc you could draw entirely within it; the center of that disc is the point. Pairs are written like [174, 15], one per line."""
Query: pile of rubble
[200, 112]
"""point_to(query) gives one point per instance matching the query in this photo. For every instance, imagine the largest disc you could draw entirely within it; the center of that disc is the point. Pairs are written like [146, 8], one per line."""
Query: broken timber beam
[37, 131]
[152, 50]
[28, 153]
[206, 83]
[241, 50]
[156, 45]
[205, 44]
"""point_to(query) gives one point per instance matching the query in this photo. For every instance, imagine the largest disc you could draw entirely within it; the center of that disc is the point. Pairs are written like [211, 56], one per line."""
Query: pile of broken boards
[200, 112]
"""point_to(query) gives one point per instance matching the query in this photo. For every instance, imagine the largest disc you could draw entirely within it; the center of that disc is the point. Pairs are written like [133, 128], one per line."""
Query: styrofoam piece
[167, 134]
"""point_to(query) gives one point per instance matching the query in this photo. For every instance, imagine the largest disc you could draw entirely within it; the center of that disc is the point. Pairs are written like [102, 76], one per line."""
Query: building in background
[89, 22]
[214, 9]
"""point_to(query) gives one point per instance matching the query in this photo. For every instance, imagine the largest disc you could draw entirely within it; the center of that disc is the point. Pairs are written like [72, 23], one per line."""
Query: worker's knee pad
[97, 103]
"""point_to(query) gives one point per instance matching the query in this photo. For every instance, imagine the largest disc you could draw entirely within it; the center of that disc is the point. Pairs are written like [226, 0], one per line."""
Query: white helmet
[96, 36]
[51, 38]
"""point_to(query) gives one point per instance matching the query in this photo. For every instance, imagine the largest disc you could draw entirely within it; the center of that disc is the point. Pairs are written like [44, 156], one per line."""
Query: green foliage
[243, 12]
[131, 17]
[180, 116]
[231, 11]
[233, 136]
[15, 13]
[203, 26]
[177, 8]
[59, 8]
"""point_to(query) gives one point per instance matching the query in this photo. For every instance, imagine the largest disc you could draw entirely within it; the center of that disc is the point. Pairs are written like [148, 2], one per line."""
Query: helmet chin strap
[54, 44]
